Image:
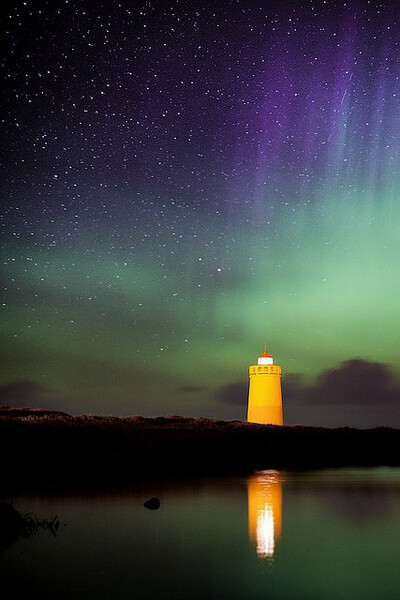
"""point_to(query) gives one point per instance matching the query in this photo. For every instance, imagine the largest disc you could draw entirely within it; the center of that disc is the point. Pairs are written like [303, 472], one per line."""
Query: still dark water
[324, 534]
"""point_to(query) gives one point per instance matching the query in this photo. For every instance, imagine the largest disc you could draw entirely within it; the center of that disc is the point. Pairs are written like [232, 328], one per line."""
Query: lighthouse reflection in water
[265, 511]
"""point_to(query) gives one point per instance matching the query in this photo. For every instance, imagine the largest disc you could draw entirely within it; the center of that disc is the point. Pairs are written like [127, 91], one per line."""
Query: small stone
[152, 503]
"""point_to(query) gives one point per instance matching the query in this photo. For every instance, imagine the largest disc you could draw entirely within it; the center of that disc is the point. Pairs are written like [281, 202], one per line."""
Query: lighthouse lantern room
[265, 358]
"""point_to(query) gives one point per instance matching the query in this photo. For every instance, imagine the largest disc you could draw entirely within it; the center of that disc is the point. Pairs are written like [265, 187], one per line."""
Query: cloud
[354, 382]
[356, 393]
[23, 392]
[232, 393]
[191, 389]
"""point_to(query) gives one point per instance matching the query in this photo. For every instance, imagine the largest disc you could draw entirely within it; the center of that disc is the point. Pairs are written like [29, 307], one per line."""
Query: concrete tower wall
[265, 395]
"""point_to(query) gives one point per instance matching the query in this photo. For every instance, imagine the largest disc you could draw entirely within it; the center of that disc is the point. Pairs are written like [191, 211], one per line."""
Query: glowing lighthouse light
[264, 404]
[265, 358]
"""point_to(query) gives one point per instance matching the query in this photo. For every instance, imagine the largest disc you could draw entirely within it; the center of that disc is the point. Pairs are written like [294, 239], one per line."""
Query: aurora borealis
[185, 182]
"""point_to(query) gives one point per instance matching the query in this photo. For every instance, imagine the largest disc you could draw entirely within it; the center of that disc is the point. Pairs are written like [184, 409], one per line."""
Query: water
[325, 534]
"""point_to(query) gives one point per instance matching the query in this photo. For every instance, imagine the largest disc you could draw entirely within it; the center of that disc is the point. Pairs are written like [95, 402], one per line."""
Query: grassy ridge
[45, 448]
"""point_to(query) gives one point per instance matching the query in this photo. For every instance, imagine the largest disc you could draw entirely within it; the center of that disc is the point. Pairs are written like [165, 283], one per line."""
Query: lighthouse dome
[265, 358]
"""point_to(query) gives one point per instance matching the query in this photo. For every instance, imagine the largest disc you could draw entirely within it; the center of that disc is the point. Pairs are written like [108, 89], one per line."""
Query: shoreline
[44, 449]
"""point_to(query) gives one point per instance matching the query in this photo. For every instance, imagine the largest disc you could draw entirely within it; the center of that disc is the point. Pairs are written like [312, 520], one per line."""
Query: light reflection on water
[265, 511]
[324, 534]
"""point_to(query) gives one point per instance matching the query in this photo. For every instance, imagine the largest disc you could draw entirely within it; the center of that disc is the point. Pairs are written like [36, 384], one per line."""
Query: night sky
[185, 182]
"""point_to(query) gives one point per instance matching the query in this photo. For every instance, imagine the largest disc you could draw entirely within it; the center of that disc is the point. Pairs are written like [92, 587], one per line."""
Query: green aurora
[184, 185]
[112, 335]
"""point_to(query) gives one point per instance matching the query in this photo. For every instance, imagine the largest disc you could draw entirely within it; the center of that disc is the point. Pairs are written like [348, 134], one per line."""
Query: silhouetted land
[44, 448]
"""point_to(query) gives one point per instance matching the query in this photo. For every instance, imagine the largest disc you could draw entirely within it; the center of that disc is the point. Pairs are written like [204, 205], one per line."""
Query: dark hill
[40, 448]
[10, 411]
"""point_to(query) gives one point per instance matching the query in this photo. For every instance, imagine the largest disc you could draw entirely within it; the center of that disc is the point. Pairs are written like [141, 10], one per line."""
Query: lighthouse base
[265, 415]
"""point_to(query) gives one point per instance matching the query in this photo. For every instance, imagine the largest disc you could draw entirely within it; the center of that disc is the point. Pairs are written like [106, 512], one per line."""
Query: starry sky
[184, 182]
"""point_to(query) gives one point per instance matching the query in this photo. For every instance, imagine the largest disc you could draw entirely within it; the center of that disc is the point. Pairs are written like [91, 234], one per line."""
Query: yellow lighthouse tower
[264, 403]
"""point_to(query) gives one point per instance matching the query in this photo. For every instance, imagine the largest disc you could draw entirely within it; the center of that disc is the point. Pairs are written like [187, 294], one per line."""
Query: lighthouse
[264, 403]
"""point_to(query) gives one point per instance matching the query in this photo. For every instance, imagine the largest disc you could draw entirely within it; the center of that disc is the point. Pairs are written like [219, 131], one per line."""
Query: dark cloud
[233, 393]
[354, 382]
[26, 393]
[191, 389]
[357, 393]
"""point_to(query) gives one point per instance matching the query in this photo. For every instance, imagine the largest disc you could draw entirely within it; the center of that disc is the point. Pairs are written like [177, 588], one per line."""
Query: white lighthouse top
[265, 358]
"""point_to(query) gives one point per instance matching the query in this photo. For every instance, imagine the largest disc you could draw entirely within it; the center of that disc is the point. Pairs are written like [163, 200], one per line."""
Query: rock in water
[10, 525]
[152, 503]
